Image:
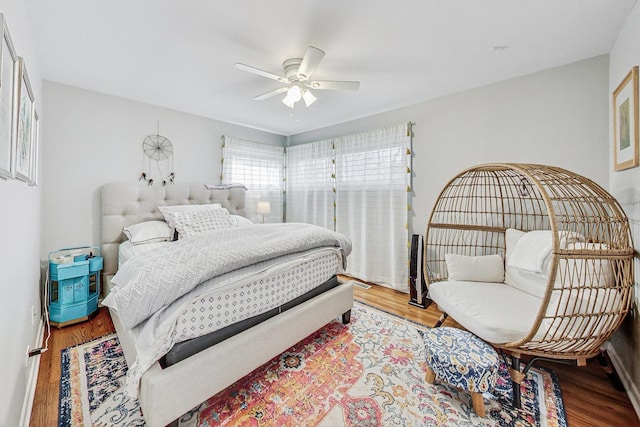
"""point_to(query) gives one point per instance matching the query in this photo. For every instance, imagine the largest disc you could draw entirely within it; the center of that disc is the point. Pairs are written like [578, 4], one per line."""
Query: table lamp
[264, 208]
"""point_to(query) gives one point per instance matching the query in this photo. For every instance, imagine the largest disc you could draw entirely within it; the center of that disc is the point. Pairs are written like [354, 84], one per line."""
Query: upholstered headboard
[124, 204]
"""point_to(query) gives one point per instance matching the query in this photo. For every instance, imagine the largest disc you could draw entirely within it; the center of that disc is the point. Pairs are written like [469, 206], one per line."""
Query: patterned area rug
[368, 373]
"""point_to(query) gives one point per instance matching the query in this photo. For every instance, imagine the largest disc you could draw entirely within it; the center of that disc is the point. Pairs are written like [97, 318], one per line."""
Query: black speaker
[417, 284]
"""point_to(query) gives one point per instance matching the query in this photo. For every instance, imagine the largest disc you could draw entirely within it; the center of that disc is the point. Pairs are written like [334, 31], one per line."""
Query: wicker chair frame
[476, 207]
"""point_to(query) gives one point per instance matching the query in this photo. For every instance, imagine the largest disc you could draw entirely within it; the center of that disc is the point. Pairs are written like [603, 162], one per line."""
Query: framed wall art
[8, 74]
[625, 122]
[24, 129]
[35, 136]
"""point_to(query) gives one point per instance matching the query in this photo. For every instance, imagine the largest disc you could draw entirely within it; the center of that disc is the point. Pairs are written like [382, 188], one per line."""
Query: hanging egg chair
[535, 260]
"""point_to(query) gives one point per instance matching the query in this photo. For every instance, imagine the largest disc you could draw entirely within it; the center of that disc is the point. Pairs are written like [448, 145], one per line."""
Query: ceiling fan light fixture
[308, 97]
[288, 101]
[297, 79]
[295, 93]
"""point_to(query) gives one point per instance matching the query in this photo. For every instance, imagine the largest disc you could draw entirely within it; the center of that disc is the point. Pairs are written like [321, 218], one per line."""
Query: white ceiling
[179, 54]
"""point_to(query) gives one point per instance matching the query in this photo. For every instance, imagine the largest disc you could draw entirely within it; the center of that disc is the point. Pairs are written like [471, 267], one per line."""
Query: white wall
[93, 139]
[557, 117]
[625, 186]
[19, 248]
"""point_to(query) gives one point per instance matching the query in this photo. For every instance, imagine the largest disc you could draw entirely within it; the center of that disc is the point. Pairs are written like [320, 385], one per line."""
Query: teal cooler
[74, 284]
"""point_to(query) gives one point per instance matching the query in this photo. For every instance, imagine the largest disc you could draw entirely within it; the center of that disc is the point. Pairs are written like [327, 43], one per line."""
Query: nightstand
[74, 284]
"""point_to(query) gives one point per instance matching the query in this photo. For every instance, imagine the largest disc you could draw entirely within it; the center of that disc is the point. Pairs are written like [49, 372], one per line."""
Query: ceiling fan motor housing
[291, 67]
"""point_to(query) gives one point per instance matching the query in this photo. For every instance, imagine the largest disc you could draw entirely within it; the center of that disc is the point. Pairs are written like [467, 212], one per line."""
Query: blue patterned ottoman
[463, 360]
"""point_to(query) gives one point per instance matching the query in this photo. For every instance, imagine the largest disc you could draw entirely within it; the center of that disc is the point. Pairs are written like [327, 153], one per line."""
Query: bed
[199, 357]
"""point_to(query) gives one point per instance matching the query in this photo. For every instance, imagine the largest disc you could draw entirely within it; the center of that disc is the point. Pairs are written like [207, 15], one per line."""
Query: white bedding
[145, 284]
[128, 250]
[166, 326]
[214, 307]
[158, 334]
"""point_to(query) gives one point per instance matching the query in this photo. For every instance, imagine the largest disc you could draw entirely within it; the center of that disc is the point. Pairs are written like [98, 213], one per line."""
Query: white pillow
[148, 231]
[168, 211]
[240, 220]
[194, 222]
[511, 238]
[532, 282]
[593, 272]
[533, 251]
[485, 268]
[186, 208]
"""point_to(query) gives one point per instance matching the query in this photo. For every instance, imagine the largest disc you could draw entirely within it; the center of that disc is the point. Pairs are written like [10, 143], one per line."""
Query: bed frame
[166, 394]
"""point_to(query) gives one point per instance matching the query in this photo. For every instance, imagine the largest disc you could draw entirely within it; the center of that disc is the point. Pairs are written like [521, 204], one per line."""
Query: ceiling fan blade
[310, 61]
[271, 93]
[260, 72]
[334, 85]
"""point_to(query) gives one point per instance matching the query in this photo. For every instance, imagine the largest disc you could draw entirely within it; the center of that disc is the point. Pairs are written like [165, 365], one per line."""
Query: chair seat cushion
[461, 359]
[495, 312]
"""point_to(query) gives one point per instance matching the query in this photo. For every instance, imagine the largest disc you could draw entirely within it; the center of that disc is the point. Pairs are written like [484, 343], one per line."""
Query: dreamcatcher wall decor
[157, 148]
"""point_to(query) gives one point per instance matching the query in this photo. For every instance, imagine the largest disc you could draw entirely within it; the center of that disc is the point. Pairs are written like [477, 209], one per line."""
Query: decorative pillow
[240, 220]
[168, 211]
[597, 292]
[511, 237]
[485, 268]
[195, 222]
[593, 272]
[529, 255]
[148, 231]
[534, 250]
[528, 283]
[186, 208]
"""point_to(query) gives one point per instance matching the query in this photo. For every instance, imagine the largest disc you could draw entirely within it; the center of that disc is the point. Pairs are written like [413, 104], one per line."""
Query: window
[260, 167]
[310, 184]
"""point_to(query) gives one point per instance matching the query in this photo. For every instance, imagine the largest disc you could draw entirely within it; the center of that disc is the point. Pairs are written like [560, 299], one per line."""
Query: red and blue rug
[368, 373]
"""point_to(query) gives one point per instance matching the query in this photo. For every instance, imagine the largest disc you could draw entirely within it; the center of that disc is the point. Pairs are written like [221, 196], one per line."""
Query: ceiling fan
[297, 78]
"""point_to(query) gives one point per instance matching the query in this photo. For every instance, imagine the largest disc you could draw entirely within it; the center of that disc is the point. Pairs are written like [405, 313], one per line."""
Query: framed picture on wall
[24, 138]
[625, 122]
[35, 136]
[8, 70]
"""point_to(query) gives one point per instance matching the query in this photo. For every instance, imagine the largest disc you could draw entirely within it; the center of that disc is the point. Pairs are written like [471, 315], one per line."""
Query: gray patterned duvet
[145, 284]
[260, 271]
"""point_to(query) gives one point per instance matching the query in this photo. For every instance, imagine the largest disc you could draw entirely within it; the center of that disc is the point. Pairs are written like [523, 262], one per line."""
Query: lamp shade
[288, 101]
[263, 208]
[295, 93]
[308, 97]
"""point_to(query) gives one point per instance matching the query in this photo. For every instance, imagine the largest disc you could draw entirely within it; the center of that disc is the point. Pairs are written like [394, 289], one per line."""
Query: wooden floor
[590, 398]
[45, 404]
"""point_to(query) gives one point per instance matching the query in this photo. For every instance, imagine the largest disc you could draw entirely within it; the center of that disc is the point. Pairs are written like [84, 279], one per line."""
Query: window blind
[260, 167]
[310, 184]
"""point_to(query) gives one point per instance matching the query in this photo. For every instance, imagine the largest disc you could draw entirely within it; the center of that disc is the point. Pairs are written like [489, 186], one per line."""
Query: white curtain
[310, 184]
[260, 167]
[358, 185]
[372, 183]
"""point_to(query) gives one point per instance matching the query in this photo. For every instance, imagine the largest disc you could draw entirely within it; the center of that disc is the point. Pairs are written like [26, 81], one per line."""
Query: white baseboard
[625, 378]
[32, 380]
